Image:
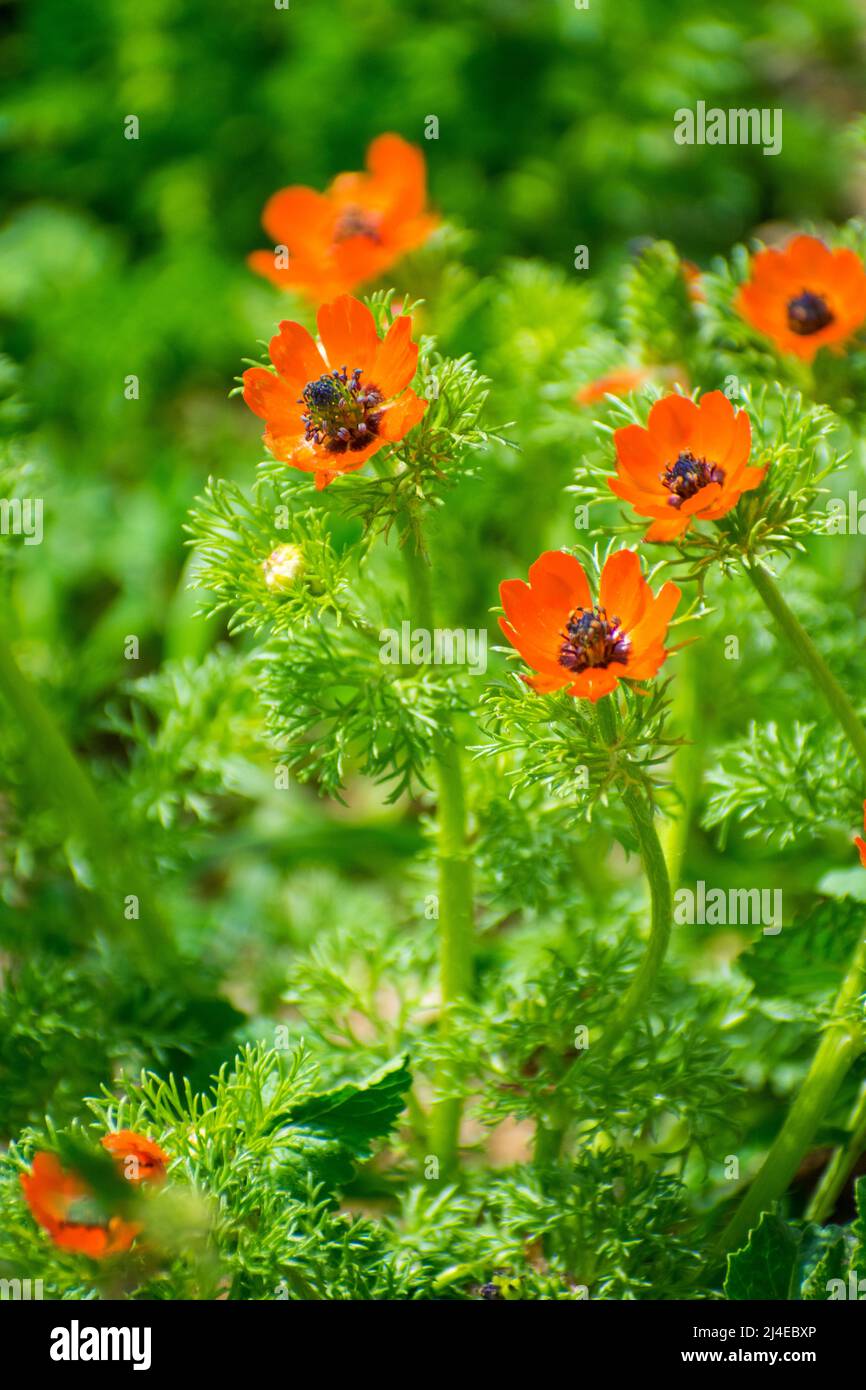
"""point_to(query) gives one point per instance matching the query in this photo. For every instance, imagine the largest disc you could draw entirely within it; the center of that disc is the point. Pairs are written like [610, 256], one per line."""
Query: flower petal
[348, 333]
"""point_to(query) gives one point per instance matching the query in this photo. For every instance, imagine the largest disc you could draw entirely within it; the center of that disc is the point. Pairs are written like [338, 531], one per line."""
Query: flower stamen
[687, 476]
[591, 639]
[357, 221]
[808, 313]
[342, 414]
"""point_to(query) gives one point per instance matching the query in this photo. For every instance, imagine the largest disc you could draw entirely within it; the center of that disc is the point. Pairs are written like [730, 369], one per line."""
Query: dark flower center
[687, 476]
[342, 414]
[592, 639]
[357, 222]
[808, 313]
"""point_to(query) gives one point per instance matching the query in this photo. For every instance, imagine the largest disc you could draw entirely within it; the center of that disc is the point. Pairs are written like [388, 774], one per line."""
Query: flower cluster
[691, 462]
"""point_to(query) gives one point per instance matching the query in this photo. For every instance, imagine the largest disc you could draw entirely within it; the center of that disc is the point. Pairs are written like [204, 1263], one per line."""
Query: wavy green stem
[640, 813]
[456, 918]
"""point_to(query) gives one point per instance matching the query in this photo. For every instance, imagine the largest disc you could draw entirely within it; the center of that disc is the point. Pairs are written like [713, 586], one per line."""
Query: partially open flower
[861, 843]
[333, 404]
[282, 567]
[805, 297]
[68, 1209]
[575, 643]
[354, 231]
[622, 380]
[689, 463]
[138, 1158]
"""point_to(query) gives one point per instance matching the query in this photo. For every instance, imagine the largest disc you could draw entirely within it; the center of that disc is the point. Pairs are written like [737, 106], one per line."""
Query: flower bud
[282, 567]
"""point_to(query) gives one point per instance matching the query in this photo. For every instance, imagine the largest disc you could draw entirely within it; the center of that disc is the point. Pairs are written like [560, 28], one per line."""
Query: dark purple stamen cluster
[342, 415]
[593, 639]
[356, 222]
[687, 476]
[808, 313]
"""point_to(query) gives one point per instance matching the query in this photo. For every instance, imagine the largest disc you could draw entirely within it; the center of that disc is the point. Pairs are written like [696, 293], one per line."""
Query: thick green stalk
[59, 779]
[456, 923]
[842, 1043]
[50, 758]
[841, 1165]
[641, 816]
[811, 658]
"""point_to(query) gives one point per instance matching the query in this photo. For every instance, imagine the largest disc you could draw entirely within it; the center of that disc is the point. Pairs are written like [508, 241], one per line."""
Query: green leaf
[329, 1132]
[766, 1267]
[858, 1230]
[833, 1264]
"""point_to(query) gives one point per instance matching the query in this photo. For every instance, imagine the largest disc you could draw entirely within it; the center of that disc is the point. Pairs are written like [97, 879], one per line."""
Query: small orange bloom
[353, 232]
[860, 843]
[616, 383]
[139, 1158]
[64, 1206]
[805, 297]
[333, 404]
[690, 463]
[570, 641]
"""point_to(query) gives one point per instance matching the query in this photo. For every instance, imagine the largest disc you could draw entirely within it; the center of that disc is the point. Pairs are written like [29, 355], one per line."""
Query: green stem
[48, 754]
[811, 658]
[548, 1139]
[58, 778]
[685, 765]
[547, 1143]
[641, 816]
[841, 1165]
[456, 924]
[842, 1043]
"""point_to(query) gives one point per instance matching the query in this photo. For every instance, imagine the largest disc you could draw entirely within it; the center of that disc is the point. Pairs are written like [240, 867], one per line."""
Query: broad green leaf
[766, 1266]
[329, 1132]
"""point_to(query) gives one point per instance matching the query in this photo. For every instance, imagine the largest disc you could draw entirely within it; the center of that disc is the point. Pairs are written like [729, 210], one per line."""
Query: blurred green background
[121, 256]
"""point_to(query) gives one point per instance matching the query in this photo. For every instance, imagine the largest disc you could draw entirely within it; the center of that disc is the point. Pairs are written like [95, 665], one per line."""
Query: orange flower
[570, 641]
[622, 380]
[805, 297]
[332, 405]
[139, 1158]
[860, 843]
[690, 458]
[64, 1205]
[354, 231]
